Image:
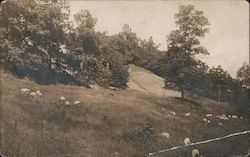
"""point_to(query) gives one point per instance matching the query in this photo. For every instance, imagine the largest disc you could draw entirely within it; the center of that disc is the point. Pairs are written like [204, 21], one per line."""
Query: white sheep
[187, 141]
[195, 153]
[62, 98]
[241, 117]
[172, 112]
[39, 93]
[77, 103]
[165, 134]
[220, 124]
[209, 115]
[25, 90]
[187, 114]
[163, 109]
[234, 117]
[205, 119]
[33, 94]
[223, 117]
[67, 103]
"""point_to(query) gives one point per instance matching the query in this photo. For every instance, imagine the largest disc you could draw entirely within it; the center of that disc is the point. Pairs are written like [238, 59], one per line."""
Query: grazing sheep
[234, 117]
[209, 115]
[163, 109]
[67, 103]
[241, 117]
[208, 121]
[229, 116]
[205, 119]
[39, 93]
[222, 117]
[165, 134]
[25, 90]
[195, 153]
[62, 98]
[33, 94]
[187, 114]
[187, 141]
[172, 112]
[220, 124]
[77, 103]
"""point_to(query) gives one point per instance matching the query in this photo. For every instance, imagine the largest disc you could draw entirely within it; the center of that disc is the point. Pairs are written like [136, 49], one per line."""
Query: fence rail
[201, 142]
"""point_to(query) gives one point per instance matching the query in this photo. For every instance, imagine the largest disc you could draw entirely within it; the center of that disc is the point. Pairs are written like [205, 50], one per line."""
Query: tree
[34, 28]
[85, 32]
[115, 61]
[220, 81]
[243, 74]
[183, 45]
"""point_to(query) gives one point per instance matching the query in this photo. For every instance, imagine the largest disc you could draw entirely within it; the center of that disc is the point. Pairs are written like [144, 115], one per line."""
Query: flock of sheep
[209, 115]
[39, 94]
[34, 94]
[187, 141]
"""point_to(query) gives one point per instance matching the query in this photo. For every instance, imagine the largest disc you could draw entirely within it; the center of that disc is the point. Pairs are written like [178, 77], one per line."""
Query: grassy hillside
[147, 82]
[109, 123]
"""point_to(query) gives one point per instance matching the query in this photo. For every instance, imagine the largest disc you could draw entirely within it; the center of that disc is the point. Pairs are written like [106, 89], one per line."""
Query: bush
[92, 71]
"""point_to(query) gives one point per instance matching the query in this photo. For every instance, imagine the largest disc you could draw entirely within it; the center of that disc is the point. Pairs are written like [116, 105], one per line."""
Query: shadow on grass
[192, 102]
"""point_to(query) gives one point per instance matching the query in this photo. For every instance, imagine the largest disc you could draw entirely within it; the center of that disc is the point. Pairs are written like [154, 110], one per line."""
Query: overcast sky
[227, 41]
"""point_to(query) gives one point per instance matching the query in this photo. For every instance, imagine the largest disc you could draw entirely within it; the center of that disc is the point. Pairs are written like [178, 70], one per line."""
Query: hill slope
[109, 123]
[145, 81]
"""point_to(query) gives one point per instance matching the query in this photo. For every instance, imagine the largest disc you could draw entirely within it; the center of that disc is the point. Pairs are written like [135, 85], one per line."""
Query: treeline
[38, 39]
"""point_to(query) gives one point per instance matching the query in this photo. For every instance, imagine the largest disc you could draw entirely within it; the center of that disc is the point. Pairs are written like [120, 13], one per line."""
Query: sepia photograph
[124, 78]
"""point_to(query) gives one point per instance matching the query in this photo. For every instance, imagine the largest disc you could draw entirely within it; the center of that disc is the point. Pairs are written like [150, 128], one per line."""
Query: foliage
[33, 34]
[183, 44]
[37, 28]
[243, 75]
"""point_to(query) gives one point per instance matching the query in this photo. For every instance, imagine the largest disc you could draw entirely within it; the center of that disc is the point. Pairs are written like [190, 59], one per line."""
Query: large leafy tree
[180, 62]
[34, 31]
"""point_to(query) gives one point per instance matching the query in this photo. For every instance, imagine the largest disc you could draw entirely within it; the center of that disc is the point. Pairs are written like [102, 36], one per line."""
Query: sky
[227, 40]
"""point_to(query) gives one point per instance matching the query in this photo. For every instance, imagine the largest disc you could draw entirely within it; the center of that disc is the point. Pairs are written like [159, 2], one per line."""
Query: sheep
[172, 112]
[33, 94]
[220, 124]
[77, 103]
[205, 119]
[223, 117]
[234, 117]
[25, 90]
[195, 153]
[62, 98]
[165, 134]
[241, 117]
[163, 109]
[187, 114]
[187, 141]
[208, 121]
[39, 93]
[67, 103]
[209, 115]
